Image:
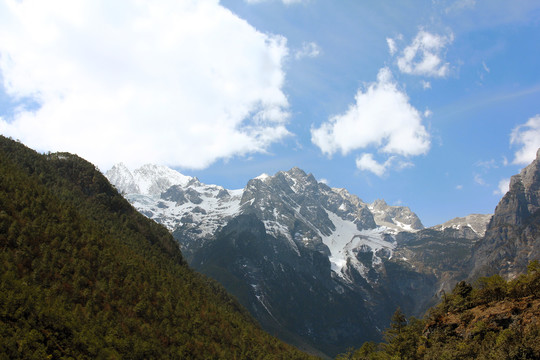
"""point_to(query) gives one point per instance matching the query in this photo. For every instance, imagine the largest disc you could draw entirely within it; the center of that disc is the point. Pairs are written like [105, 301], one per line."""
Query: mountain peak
[477, 222]
[399, 218]
[295, 173]
[123, 179]
[149, 179]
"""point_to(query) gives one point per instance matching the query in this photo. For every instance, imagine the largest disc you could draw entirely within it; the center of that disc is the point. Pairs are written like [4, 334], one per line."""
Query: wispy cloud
[460, 5]
[392, 47]
[139, 83]
[479, 180]
[309, 49]
[286, 2]
[487, 164]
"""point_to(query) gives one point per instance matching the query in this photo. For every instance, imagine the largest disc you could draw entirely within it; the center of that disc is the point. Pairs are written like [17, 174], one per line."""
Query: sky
[430, 104]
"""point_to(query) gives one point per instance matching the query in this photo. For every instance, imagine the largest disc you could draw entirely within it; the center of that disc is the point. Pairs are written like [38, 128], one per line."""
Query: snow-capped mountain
[149, 179]
[399, 218]
[181, 203]
[314, 264]
[475, 222]
[292, 205]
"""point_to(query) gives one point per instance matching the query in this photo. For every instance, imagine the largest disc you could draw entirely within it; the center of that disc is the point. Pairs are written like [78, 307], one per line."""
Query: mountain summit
[149, 179]
[293, 206]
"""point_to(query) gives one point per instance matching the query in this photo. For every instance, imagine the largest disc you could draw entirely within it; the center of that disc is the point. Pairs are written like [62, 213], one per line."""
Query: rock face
[316, 266]
[395, 217]
[471, 226]
[512, 237]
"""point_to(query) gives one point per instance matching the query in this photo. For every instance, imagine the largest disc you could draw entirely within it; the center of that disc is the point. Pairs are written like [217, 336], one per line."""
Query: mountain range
[315, 265]
[85, 275]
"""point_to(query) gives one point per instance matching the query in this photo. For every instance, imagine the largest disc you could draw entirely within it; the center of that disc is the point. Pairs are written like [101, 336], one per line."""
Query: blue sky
[429, 104]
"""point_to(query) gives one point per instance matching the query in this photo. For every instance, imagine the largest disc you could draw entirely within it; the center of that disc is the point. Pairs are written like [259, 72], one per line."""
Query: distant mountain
[84, 276]
[512, 237]
[315, 265]
[476, 223]
[399, 218]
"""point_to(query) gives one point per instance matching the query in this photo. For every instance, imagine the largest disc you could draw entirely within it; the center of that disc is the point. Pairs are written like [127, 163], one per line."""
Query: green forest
[494, 319]
[83, 275]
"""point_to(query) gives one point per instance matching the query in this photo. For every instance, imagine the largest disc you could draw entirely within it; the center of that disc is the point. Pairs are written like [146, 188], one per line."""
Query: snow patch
[346, 239]
[263, 177]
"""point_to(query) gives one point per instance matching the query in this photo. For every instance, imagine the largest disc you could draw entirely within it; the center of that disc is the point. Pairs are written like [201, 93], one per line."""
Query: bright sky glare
[432, 104]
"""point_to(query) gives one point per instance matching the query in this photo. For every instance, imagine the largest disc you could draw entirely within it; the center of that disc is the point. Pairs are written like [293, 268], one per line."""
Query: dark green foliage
[495, 319]
[85, 276]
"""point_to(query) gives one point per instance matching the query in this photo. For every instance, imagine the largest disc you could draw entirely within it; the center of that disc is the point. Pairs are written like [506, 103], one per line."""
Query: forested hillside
[83, 275]
[494, 319]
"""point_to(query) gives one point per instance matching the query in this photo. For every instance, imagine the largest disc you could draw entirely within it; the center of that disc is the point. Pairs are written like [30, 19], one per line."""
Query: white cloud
[424, 56]
[487, 164]
[459, 187]
[479, 180]
[309, 49]
[381, 117]
[486, 69]
[504, 186]
[182, 83]
[368, 163]
[392, 47]
[528, 136]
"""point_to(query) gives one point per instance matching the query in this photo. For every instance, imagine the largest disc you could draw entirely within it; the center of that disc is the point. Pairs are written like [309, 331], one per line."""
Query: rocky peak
[399, 218]
[476, 222]
[522, 199]
[379, 204]
[296, 173]
[355, 200]
[512, 237]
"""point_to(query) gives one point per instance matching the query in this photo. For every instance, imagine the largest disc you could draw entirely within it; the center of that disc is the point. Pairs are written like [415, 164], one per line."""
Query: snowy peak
[477, 222]
[154, 179]
[120, 176]
[149, 179]
[399, 218]
[353, 199]
[301, 213]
